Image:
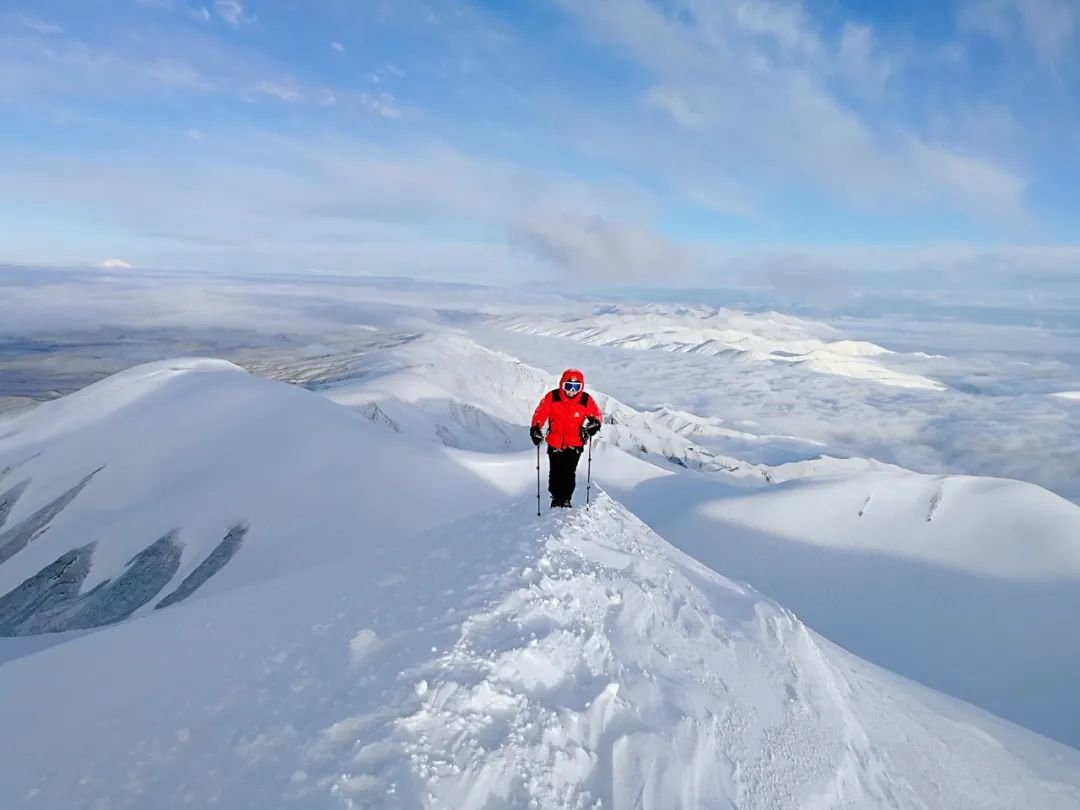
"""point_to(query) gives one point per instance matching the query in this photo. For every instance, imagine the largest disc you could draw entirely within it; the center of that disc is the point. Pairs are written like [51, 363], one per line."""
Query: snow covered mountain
[314, 605]
[752, 337]
[192, 475]
[446, 387]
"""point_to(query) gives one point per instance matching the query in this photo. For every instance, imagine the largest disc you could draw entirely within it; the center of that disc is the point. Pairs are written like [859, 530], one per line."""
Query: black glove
[536, 434]
[589, 428]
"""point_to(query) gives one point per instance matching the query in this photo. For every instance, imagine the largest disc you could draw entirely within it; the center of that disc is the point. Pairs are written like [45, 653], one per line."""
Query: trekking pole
[538, 480]
[588, 480]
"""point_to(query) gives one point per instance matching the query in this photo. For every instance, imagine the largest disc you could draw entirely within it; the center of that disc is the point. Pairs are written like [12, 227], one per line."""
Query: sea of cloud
[996, 415]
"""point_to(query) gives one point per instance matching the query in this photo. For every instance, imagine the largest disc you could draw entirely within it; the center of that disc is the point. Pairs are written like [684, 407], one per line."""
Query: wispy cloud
[862, 63]
[231, 11]
[1050, 28]
[299, 193]
[753, 79]
[178, 74]
[381, 104]
[37, 24]
[282, 92]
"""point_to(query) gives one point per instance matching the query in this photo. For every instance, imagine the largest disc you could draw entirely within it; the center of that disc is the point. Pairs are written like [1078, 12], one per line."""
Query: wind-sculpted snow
[573, 662]
[757, 337]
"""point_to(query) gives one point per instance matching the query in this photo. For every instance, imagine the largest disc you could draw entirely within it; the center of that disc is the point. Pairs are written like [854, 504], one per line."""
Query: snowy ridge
[718, 434]
[752, 337]
[828, 466]
[574, 662]
[449, 388]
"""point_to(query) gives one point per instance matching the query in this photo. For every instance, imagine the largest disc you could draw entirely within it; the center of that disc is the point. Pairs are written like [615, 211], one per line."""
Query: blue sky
[622, 141]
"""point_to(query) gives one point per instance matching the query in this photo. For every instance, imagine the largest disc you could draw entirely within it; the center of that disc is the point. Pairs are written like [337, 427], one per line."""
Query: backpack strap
[556, 395]
[584, 400]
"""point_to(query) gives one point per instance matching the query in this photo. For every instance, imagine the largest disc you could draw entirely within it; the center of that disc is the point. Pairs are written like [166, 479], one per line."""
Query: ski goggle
[571, 387]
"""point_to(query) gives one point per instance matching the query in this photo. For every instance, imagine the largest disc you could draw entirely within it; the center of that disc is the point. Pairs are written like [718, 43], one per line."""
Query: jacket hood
[572, 373]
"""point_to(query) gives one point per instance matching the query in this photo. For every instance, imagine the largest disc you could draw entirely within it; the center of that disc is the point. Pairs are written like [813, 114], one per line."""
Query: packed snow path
[571, 661]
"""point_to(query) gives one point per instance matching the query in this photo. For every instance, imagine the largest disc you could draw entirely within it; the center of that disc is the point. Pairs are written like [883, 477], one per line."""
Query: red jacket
[566, 414]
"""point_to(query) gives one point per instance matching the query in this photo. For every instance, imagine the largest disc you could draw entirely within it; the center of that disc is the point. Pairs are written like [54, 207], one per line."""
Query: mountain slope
[574, 662]
[192, 476]
[965, 584]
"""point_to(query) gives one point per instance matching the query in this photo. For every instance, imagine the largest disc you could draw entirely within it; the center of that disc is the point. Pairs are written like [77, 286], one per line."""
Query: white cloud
[37, 24]
[337, 46]
[115, 264]
[177, 74]
[784, 23]
[594, 246]
[980, 186]
[280, 91]
[1050, 28]
[381, 104]
[861, 62]
[671, 101]
[231, 11]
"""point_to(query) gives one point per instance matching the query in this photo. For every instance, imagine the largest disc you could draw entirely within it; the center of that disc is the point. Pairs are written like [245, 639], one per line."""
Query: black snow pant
[562, 469]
